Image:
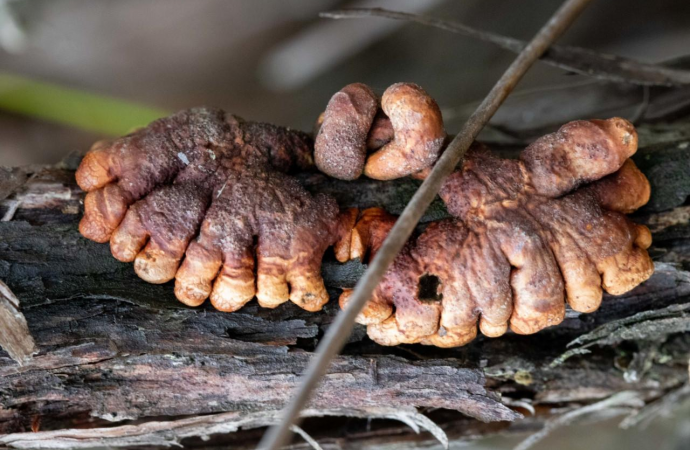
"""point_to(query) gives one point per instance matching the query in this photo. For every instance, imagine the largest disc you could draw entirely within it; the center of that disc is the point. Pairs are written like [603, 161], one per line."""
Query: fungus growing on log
[406, 133]
[205, 198]
[529, 234]
[210, 187]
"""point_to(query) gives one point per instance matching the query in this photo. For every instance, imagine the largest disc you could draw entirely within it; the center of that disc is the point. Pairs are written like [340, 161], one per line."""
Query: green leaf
[67, 106]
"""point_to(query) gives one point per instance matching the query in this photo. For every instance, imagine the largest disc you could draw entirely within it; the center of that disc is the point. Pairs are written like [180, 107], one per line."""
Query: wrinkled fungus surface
[405, 133]
[529, 235]
[206, 199]
[210, 188]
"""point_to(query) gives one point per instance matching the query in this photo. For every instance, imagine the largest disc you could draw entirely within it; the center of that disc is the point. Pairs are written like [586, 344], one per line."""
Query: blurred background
[74, 71]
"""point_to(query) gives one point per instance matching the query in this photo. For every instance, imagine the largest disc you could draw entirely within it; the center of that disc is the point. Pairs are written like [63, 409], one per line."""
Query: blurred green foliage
[67, 106]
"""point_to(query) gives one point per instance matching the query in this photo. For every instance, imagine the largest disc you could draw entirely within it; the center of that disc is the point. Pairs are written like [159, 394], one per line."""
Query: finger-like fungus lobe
[528, 235]
[405, 133]
[211, 188]
[205, 198]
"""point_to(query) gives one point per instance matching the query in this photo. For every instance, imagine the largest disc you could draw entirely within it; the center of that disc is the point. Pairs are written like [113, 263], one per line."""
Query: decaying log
[116, 352]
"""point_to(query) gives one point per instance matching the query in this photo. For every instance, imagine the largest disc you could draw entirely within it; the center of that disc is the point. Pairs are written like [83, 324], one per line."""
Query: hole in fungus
[429, 288]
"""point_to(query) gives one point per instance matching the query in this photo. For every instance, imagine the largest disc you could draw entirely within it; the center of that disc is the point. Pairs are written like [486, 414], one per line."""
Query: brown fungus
[205, 198]
[340, 147]
[406, 134]
[528, 235]
[211, 188]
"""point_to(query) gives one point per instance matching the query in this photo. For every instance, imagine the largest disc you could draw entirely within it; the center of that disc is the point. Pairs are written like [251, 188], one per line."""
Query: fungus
[406, 134]
[205, 198]
[527, 235]
[211, 188]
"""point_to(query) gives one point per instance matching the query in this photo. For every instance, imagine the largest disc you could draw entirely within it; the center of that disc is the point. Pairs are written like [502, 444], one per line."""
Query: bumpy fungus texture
[204, 197]
[211, 188]
[529, 234]
[405, 133]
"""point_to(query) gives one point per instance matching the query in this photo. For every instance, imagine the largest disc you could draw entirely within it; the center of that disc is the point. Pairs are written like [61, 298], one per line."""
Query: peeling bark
[14, 333]
[112, 348]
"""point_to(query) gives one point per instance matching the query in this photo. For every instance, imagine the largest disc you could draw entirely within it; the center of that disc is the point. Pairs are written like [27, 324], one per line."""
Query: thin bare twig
[338, 332]
[642, 109]
[12, 206]
[626, 399]
[575, 59]
[663, 407]
[308, 439]
[450, 112]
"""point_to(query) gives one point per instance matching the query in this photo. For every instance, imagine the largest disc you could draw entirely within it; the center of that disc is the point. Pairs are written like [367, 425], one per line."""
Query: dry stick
[337, 334]
[626, 399]
[579, 60]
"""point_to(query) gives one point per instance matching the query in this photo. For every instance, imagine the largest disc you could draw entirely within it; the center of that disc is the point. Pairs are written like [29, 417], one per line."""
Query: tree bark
[116, 352]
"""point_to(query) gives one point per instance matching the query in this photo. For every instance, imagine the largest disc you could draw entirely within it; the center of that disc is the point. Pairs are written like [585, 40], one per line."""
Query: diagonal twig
[308, 439]
[663, 407]
[576, 59]
[625, 399]
[339, 331]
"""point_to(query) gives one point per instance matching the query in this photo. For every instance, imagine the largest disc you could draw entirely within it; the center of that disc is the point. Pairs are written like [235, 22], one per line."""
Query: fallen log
[115, 352]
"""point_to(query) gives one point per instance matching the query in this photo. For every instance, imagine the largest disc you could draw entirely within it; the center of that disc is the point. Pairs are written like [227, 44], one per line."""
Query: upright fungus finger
[405, 133]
